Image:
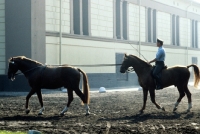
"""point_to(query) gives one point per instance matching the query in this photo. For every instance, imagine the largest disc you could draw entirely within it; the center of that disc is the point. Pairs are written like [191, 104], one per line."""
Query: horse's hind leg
[39, 95]
[181, 95]
[152, 95]
[70, 99]
[189, 98]
[82, 96]
[27, 100]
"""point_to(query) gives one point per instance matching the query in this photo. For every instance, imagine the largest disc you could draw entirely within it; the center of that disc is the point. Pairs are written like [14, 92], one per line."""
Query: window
[194, 60]
[151, 15]
[125, 20]
[118, 19]
[194, 34]
[80, 17]
[85, 17]
[121, 19]
[175, 30]
[76, 16]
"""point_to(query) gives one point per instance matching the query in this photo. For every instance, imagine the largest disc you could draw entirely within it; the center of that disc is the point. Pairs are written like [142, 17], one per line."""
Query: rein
[97, 65]
[139, 52]
[29, 70]
[130, 69]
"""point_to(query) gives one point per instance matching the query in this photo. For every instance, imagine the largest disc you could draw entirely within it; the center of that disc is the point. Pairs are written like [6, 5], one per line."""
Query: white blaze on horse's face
[12, 69]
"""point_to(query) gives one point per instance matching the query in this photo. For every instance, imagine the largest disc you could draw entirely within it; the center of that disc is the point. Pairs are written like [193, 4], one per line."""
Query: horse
[40, 76]
[177, 76]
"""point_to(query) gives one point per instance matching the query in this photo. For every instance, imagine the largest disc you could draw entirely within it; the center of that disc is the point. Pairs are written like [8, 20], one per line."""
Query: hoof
[163, 109]
[40, 113]
[27, 111]
[87, 114]
[141, 112]
[62, 114]
[174, 109]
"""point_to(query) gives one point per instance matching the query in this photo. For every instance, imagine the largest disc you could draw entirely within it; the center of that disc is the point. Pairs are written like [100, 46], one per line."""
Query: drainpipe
[187, 32]
[60, 38]
[139, 28]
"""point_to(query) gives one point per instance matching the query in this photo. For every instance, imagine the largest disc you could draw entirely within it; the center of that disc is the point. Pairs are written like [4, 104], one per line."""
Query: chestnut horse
[177, 76]
[40, 76]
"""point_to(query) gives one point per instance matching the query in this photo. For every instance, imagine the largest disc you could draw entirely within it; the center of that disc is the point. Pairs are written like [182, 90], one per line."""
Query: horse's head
[125, 64]
[12, 69]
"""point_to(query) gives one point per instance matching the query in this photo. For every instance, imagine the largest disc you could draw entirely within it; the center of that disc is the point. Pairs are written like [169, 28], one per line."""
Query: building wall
[89, 52]
[102, 18]
[101, 47]
[102, 26]
[76, 51]
[164, 27]
[181, 4]
[134, 23]
[53, 15]
[198, 34]
[2, 37]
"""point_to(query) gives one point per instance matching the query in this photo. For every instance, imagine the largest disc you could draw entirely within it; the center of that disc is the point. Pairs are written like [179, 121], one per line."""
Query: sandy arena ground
[115, 112]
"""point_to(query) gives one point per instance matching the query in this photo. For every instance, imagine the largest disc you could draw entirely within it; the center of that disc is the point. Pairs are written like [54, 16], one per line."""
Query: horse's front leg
[27, 100]
[152, 94]
[39, 95]
[145, 94]
[70, 99]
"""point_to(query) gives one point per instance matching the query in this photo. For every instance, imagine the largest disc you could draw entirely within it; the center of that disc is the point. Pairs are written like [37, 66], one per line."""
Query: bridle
[28, 70]
[130, 69]
[12, 62]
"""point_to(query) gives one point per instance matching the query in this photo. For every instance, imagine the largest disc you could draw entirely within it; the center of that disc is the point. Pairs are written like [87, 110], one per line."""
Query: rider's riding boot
[158, 84]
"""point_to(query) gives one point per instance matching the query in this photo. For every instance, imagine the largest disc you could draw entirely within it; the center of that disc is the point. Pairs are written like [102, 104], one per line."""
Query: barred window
[194, 33]
[151, 25]
[175, 30]
[80, 17]
[121, 19]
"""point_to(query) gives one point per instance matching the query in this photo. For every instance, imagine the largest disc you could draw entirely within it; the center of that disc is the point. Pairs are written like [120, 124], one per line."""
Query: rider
[160, 58]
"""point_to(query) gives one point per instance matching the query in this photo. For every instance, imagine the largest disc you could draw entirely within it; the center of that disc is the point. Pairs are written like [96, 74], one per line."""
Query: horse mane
[27, 59]
[143, 62]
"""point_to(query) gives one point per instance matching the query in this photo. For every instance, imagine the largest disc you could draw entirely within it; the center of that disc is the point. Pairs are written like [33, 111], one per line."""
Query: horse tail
[196, 74]
[85, 87]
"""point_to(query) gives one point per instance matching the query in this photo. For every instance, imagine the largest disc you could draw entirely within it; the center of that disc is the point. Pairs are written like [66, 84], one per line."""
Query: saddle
[165, 67]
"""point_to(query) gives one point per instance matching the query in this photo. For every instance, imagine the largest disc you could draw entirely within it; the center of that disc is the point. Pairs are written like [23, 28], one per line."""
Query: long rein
[96, 65]
[29, 70]
[130, 69]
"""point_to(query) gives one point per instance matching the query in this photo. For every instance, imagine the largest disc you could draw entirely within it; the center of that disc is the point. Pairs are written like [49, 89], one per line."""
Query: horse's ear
[12, 60]
[125, 55]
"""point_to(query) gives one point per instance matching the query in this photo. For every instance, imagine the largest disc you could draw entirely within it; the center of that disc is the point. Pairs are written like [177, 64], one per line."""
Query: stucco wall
[163, 27]
[134, 23]
[53, 15]
[102, 18]
[86, 52]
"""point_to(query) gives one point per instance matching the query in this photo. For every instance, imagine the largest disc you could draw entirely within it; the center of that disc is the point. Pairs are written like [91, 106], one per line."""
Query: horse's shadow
[35, 118]
[141, 117]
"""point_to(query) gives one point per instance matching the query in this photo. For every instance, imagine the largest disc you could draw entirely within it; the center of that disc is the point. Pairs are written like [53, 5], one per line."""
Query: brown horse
[40, 76]
[177, 76]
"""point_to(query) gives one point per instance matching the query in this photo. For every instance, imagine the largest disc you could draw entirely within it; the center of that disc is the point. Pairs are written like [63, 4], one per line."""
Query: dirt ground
[114, 112]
